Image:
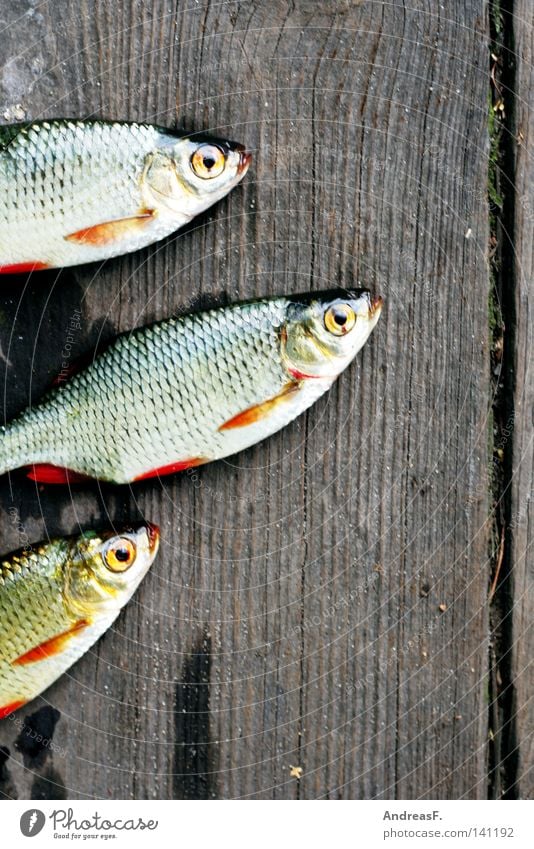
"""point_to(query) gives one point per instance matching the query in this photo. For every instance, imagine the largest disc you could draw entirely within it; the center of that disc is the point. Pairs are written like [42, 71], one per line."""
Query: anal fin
[171, 468]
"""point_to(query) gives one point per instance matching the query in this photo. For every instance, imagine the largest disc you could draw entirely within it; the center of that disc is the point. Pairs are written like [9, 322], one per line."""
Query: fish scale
[47, 602]
[170, 393]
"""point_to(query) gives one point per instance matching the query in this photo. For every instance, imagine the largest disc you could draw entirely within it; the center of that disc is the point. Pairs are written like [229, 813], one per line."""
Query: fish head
[324, 331]
[187, 174]
[104, 569]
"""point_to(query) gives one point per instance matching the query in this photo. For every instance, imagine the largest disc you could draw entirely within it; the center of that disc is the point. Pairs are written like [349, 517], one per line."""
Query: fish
[190, 389]
[75, 192]
[57, 598]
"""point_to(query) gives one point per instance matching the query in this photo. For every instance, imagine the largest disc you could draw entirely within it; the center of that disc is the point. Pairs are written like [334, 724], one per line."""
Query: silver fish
[81, 191]
[191, 389]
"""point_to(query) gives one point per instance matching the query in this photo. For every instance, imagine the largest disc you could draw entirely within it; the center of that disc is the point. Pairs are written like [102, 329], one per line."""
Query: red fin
[48, 473]
[5, 710]
[111, 231]
[180, 466]
[50, 647]
[23, 267]
[260, 411]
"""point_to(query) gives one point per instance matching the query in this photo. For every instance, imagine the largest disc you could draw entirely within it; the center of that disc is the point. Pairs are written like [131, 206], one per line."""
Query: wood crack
[503, 748]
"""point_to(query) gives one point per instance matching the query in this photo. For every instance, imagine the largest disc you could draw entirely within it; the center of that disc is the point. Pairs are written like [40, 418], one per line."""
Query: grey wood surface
[320, 600]
[522, 485]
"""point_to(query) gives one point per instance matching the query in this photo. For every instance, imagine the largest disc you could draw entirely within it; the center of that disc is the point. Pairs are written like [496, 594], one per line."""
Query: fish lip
[376, 305]
[245, 158]
[153, 536]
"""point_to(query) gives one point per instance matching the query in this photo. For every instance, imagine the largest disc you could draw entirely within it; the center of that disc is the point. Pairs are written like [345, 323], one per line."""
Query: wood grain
[522, 485]
[321, 599]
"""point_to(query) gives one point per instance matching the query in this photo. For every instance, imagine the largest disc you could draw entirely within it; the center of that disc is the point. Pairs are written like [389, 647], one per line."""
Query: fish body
[57, 598]
[191, 389]
[80, 191]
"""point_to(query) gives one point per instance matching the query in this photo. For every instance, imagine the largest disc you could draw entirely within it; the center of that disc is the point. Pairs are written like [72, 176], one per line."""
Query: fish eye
[119, 555]
[208, 161]
[339, 319]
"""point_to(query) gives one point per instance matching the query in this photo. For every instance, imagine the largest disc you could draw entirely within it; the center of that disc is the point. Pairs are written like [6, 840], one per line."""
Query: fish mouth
[152, 532]
[376, 306]
[245, 158]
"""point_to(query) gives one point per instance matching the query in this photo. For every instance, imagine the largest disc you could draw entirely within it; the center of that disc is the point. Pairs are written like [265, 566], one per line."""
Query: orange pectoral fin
[51, 647]
[48, 473]
[111, 231]
[179, 466]
[261, 411]
[5, 710]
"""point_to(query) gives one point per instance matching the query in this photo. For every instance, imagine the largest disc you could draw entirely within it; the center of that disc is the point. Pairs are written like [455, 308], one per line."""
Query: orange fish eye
[120, 555]
[339, 319]
[208, 161]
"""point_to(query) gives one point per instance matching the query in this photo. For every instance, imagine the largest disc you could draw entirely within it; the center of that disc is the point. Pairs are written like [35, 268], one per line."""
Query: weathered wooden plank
[294, 613]
[522, 485]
